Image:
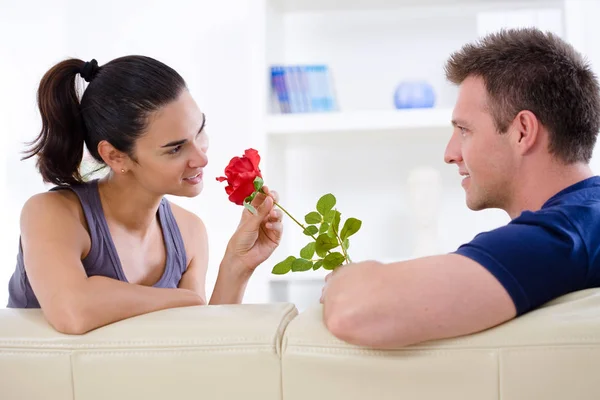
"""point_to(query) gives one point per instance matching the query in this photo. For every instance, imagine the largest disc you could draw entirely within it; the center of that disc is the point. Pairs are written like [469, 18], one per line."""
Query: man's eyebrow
[183, 141]
[456, 122]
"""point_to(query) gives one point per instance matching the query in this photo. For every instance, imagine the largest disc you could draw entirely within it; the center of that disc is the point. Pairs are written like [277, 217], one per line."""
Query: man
[525, 124]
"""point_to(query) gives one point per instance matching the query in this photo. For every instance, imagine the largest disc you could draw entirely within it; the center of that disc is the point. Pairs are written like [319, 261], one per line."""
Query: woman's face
[171, 154]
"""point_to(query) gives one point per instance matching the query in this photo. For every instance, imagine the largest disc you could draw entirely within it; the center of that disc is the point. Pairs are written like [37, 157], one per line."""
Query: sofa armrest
[212, 352]
[551, 353]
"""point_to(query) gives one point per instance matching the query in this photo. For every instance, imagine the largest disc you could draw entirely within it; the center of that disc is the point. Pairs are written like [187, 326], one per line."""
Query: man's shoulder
[585, 193]
[576, 207]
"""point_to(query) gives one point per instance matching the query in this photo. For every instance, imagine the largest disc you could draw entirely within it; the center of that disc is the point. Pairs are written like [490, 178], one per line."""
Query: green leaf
[351, 226]
[301, 265]
[311, 230]
[283, 267]
[325, 243]
[326, 203]
[346, 243]
[250, 208]
[333, 260]
[308, 251]
[318, 265]
[313, 218]
[258, 183]
[334, 228]
[250, 198]
[324, 227]
[328, 217]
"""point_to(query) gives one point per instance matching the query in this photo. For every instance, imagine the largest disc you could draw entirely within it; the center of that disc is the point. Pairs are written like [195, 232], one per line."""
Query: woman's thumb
[263, 205]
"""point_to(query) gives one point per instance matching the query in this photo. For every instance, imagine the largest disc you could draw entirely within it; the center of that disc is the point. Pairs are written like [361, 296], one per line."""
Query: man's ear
[526, 128]
[115, 159]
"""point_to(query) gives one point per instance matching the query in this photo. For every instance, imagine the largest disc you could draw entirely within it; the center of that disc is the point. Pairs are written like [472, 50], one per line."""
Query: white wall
[31, 39]
[583, 32]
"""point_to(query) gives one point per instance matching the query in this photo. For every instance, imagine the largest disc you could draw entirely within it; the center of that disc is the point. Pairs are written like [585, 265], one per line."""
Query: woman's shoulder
[190, 225]
[57, 200]
[64, 203]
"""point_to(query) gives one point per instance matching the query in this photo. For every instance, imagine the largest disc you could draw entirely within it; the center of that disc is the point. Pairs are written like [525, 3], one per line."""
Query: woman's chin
[189, 190]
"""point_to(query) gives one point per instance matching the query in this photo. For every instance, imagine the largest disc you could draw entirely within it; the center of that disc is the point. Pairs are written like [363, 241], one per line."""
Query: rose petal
[241, 193]
[240, 174]
[254, 157]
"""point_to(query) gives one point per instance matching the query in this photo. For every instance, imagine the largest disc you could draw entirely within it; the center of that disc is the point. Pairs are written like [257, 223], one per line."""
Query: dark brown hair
[114, 107]
[527, 69]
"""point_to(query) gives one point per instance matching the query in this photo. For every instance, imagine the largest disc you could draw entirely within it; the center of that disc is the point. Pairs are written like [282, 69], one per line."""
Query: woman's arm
[255, 239]
[231, 282]
[54, 241]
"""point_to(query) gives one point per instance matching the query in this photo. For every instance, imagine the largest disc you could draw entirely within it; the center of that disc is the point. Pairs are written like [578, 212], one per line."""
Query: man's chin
[475, 205]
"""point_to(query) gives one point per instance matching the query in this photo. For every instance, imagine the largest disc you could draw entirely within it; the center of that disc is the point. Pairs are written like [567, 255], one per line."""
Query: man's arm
[394, 305]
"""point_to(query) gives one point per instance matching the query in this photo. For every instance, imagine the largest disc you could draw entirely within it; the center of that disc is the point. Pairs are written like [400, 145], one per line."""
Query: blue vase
[414, 94]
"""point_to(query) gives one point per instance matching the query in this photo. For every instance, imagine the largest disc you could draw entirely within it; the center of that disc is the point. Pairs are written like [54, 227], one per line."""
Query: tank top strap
[172, 235]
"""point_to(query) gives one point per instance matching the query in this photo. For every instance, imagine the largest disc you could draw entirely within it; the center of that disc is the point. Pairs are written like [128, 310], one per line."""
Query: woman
[97, 252]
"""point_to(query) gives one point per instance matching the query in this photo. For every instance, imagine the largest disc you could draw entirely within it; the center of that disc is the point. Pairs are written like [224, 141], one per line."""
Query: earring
[122, 170]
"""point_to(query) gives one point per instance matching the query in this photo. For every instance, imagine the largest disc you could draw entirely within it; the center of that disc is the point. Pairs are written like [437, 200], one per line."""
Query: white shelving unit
[360, 121]
[365, 152]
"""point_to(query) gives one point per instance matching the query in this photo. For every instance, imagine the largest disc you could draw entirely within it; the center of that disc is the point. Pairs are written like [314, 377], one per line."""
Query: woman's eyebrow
[182, 141]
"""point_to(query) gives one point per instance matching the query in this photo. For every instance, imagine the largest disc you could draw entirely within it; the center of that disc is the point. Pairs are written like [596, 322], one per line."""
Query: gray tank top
[102, 258]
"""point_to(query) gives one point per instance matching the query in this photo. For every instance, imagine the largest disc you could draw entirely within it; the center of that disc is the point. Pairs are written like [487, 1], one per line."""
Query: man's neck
[535, 189]
[126, 203]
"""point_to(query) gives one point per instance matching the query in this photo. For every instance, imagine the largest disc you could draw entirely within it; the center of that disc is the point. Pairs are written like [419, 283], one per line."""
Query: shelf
[392, 120]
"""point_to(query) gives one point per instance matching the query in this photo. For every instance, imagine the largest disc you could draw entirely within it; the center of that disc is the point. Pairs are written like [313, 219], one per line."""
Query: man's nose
[453, 154]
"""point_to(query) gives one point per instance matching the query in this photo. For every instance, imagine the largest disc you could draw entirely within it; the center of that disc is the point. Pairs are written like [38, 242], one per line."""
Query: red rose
[240, 174]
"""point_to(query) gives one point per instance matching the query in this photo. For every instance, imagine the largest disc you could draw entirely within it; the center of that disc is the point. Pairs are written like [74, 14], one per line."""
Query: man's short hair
[527, 69]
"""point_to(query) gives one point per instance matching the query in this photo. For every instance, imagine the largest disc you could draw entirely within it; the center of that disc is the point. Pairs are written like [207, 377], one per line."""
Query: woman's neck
[130, 205]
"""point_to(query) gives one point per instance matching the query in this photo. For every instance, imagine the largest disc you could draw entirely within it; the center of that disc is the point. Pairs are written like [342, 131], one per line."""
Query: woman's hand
[257, 236]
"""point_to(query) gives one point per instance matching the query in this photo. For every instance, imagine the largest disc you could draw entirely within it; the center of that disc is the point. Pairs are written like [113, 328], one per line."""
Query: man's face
[483, 155]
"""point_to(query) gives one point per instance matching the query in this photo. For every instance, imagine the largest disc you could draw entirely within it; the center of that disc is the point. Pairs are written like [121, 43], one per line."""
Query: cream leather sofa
[269, 352]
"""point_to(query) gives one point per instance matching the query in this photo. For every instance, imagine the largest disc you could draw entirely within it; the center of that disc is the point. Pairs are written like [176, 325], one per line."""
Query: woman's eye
[175, 150]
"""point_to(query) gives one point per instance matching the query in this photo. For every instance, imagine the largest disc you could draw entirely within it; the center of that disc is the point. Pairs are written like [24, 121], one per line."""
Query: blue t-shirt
[545, 254]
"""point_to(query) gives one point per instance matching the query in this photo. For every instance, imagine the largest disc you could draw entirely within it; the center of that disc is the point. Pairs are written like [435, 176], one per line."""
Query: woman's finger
[275, 226]
[274, 195]
[258, 200]
[275, 215]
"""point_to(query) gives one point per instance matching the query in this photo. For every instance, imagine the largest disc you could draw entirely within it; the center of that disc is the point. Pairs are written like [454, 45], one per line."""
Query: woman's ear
[526, 128]
[115, 159]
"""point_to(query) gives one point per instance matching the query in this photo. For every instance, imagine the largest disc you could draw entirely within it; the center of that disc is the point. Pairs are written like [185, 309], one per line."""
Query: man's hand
[394, 305]
[363, 276]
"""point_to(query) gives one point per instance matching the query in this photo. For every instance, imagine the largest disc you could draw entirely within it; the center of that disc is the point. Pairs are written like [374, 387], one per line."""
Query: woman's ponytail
[115, 107]
[59, 146]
